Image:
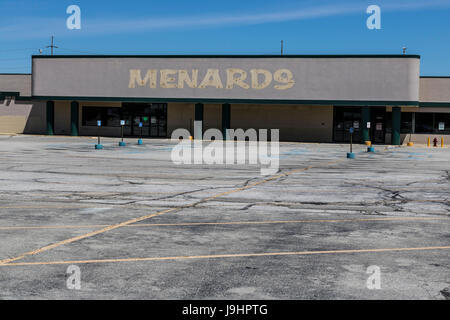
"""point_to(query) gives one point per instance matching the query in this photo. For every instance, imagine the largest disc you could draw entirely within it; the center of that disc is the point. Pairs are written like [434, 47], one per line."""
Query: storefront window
[113, 117]
[110, 117]
[424, 123]
[91, 115]
[433, 123]
[406, 122]
[388, 122]
[442, 123]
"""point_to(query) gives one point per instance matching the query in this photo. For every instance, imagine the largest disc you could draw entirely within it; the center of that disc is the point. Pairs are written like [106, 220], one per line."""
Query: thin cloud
[228, 20]
[42, 27]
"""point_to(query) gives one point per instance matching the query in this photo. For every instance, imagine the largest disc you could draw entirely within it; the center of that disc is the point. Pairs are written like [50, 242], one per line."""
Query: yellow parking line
[131, 221]
[52, 207]
[227, 223]
[87, 235]
[238, 255]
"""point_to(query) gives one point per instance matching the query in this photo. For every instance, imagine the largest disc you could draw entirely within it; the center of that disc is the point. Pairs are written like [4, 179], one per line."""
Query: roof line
[435, 77]
[228, 100]
[232, 56]
[15, 74]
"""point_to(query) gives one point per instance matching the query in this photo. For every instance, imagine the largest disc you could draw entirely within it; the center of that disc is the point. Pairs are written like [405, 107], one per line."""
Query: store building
[309, 98]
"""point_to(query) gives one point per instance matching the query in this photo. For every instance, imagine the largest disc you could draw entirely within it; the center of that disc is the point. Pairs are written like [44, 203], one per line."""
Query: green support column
[365, 117]
[74, 118]
[396, 118]
[198, 132]
[50, 117]
[226, 120]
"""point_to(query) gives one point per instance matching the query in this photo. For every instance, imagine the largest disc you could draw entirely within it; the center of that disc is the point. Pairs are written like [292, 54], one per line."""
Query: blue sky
[231, 27]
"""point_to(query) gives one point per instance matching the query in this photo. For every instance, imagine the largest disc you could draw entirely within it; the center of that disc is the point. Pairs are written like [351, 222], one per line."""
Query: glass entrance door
[344, 119]
[153, 117]
[377, 127]
[158, 120]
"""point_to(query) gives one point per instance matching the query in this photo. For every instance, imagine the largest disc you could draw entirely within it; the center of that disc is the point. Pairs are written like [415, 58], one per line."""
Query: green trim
[396, 122]
[9, 94]
[234, 101]
[50, 110]
[198, 116]
[434, 104]
[74, 111]
[226, 120]
[24, 98]
[365, 117]
[199, 112]
[435, 77]
[15, 94]
[235, 56]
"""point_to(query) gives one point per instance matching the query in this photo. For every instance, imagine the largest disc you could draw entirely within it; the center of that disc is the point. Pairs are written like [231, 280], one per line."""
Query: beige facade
[20, 83]
[434, 89]
[22, 117]
[62, 117]
[296, 122]
[180, 115]
[212, 116]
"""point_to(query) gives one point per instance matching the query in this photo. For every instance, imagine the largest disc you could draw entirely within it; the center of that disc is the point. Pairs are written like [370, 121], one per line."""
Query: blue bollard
[140, 142]
[122, 144]
[350, 155]
[98, 146]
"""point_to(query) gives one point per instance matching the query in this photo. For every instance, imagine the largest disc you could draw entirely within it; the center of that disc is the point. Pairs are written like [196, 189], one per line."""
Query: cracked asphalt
[140, 227]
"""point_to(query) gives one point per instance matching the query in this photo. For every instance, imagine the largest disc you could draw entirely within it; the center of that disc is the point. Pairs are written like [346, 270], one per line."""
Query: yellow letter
[267, 78]
[167, 79]
[183, 77]
[135, 77]
[284, 76]
[211, 79]
[231, 80]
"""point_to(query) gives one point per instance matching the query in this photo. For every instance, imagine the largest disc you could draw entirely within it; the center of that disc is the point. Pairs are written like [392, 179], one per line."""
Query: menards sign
[257, 79]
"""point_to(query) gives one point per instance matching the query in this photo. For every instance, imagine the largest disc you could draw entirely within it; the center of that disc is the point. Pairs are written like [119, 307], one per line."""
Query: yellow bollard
[410, 143]
[442, 142]
[428, 143]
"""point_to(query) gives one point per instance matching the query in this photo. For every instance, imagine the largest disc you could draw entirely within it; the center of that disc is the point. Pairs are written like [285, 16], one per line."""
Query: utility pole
[52, 46]
[281, 47]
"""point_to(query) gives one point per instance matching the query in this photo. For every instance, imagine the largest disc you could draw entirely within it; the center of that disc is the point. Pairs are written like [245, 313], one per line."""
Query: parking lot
[141, 227]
